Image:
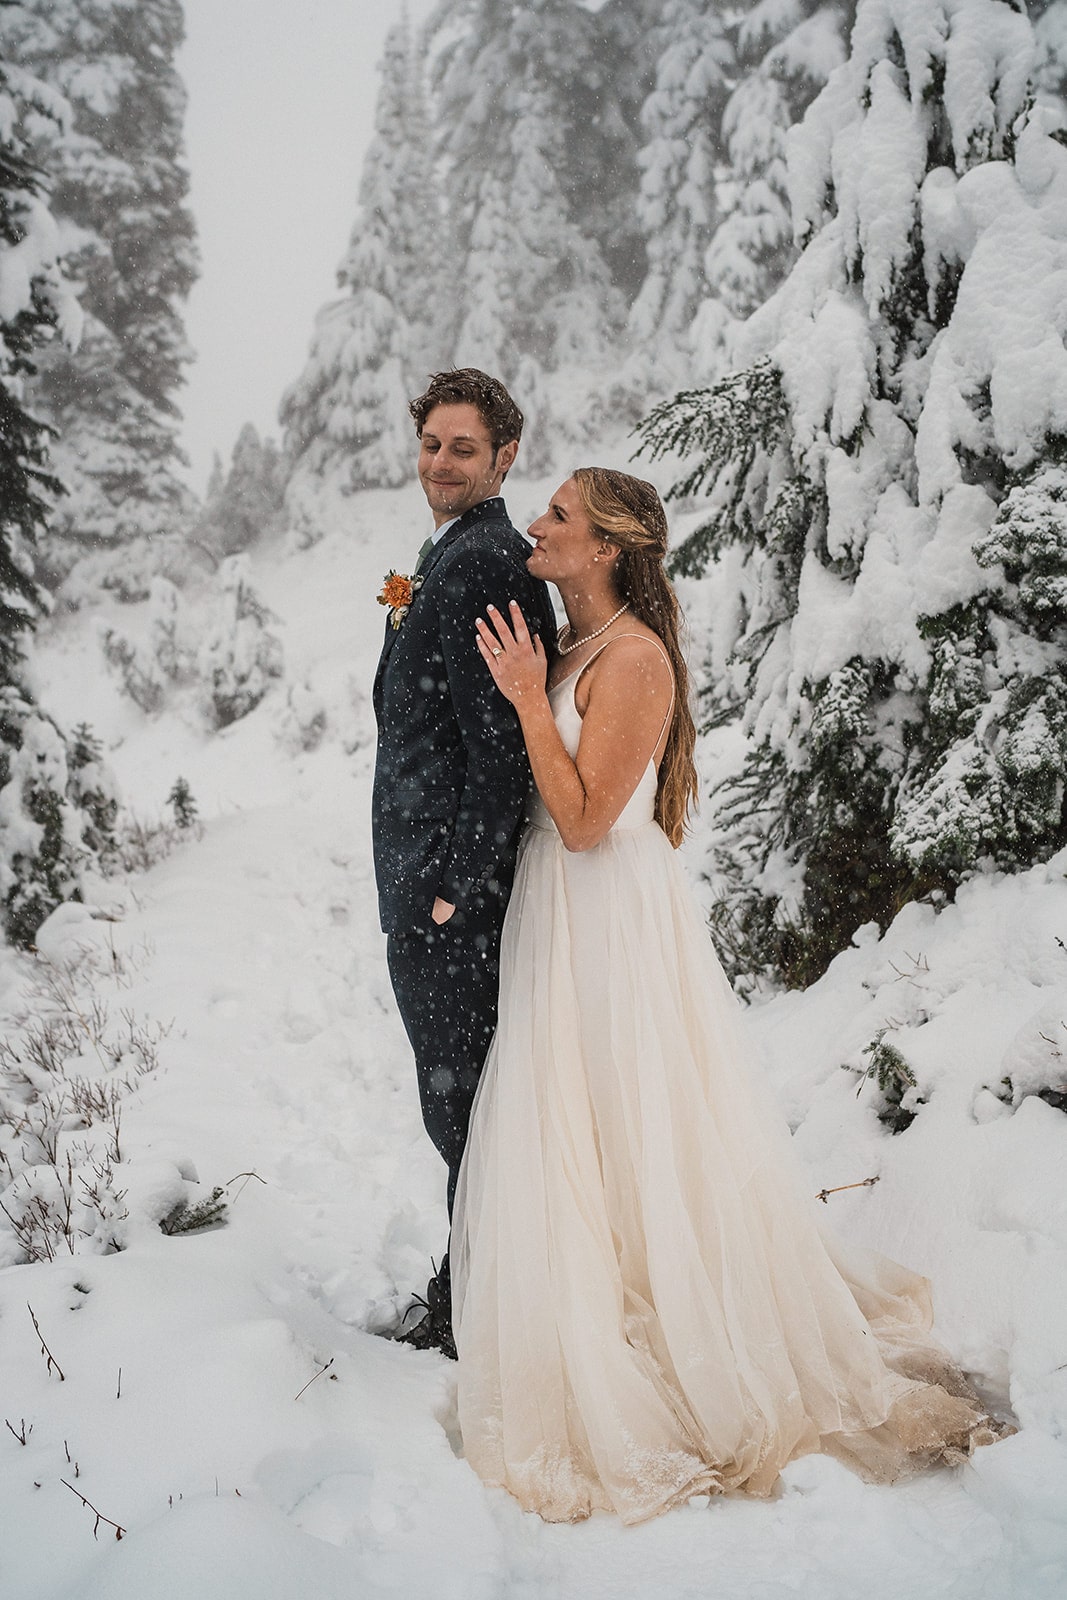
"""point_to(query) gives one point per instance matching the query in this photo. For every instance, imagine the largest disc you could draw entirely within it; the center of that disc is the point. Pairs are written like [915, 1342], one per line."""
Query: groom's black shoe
[434, 1330]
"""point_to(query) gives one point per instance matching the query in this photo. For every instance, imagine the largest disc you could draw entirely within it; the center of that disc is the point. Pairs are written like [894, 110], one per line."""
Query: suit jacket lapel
[487, 508]
[478, 513]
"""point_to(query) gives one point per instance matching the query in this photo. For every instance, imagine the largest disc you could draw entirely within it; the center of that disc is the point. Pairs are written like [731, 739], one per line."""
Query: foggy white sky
[281, 108]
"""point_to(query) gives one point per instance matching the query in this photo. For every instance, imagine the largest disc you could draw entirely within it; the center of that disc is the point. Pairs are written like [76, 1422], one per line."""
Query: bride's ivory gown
[645, 1306]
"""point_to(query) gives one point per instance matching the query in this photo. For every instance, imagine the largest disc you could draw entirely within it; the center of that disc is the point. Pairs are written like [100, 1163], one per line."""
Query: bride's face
[565, 546]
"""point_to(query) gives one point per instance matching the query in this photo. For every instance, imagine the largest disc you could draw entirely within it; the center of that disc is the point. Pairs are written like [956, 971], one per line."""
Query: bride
[644, 1306]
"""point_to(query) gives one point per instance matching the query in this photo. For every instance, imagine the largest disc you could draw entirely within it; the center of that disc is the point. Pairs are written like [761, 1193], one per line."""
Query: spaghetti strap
[645, 637]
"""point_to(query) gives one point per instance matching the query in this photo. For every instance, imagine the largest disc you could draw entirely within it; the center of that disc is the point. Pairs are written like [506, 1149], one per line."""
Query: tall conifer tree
[34, 299]
[785, 51]
[119, 193]
[346, 415]
[890, 462]
[245, 505]
[518, 103]
[52, 808]
[678, 204]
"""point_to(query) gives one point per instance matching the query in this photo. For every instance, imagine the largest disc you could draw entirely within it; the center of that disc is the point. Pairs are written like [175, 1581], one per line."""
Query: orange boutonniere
[398, 591]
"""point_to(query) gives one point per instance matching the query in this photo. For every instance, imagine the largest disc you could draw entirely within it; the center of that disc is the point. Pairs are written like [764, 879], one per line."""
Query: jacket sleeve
[497, 779]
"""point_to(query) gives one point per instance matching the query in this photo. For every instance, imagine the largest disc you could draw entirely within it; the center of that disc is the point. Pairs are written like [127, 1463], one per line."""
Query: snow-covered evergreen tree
[517, 105]
[92, 789]
[34, 301]
[347, 412]
[163, 658]
[243, 506]
[785, 51]
[890, 461]
[241, 656]
[53, 812]
[127, 236]
[42, 831]
[417, 222]
[678, 204]
[603, 174]
[218, 650]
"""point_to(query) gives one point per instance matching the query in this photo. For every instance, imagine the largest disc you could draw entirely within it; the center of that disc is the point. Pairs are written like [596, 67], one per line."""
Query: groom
[451, 779]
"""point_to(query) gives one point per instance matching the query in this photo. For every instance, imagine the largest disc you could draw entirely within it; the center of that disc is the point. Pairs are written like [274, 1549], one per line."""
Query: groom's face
[458, 466]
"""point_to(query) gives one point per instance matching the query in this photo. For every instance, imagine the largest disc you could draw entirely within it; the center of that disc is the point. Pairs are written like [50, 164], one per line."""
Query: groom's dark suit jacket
[452, 780]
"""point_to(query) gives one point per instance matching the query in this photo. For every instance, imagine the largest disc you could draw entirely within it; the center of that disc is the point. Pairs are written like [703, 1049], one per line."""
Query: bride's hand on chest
[517, 661]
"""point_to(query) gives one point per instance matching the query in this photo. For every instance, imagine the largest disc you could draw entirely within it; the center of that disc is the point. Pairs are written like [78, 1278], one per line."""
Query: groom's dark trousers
[451, 785]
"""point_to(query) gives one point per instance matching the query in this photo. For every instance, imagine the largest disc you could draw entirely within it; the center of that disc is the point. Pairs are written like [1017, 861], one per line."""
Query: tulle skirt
[645, 1305]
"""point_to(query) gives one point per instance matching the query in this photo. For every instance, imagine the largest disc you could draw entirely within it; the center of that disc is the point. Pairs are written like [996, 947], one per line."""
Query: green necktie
[427, 546]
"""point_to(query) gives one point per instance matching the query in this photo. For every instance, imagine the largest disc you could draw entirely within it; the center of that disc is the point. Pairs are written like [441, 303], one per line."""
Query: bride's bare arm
[629, 694]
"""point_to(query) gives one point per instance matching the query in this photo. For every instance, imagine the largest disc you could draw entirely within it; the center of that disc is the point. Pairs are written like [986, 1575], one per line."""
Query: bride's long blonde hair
[628, 512]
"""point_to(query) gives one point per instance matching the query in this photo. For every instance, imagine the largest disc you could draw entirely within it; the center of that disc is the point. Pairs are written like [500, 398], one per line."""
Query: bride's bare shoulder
[637, 647]
[631, 659]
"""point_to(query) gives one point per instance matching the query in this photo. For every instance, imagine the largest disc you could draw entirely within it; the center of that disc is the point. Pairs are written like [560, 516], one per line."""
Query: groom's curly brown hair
[466, 386]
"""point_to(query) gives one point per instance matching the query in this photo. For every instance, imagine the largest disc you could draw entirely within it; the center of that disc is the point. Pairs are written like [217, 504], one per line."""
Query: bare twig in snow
[49, 1357]
[864, 1183]
[247, 1176]
[318, 1374]
[99, 1515]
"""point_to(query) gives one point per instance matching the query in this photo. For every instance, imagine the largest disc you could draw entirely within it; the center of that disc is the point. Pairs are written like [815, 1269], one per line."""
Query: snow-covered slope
[230, 1476]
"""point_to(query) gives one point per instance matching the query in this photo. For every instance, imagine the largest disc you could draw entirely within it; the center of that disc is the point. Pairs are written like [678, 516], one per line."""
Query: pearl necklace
[565, 650]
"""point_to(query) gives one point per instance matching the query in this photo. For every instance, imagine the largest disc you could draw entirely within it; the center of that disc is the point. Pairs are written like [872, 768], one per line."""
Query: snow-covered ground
[190, 1412]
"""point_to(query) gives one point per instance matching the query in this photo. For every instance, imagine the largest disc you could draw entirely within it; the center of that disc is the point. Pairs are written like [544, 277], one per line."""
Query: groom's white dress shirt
[438, 533]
